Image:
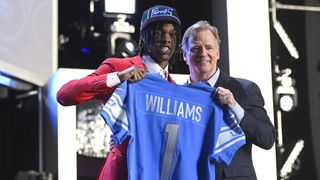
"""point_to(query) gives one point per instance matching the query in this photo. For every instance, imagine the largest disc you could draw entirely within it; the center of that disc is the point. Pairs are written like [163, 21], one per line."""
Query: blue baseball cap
[159, 13]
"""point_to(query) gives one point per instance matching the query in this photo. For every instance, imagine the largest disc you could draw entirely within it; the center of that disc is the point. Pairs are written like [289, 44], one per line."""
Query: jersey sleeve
[114, 112]
[230, 138]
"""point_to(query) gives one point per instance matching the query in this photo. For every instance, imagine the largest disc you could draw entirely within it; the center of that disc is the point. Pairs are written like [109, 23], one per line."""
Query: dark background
[20, 114]
[75, 18]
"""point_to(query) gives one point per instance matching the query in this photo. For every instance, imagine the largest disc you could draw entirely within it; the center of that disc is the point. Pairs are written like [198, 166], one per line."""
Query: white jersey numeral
[172, 130]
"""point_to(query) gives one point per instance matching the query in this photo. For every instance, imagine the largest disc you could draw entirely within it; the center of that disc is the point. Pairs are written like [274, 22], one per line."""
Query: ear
[184, 55]
[218, 53]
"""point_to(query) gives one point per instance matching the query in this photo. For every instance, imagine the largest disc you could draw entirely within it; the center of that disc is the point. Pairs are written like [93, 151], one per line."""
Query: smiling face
[202, 55]
[163, 46]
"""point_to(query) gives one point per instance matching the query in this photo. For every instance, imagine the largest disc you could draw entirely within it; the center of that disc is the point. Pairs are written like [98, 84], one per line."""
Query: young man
[200, 45]
[159, 41]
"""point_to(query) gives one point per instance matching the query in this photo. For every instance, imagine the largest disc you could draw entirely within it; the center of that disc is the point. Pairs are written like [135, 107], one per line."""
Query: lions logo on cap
[160, 12]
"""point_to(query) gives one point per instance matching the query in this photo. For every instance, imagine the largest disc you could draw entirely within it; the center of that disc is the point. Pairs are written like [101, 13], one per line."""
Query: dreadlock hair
[147, 35]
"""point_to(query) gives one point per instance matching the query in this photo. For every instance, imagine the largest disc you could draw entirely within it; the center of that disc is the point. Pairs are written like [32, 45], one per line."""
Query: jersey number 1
[172, 130]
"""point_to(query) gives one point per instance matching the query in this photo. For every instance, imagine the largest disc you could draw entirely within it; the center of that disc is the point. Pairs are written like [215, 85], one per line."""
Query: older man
[200, 45]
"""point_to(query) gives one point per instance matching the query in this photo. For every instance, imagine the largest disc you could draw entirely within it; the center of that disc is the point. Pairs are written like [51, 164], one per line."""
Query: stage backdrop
[28, 39]
[250, 58]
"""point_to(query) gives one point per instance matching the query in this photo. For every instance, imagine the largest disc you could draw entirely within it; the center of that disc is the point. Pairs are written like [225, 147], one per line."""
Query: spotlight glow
[286, 103]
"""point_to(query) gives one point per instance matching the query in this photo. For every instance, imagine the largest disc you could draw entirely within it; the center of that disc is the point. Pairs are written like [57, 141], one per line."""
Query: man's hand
[133, 74]
[225, 97]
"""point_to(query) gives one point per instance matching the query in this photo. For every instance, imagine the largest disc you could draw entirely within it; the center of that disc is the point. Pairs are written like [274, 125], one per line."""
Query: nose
[203, 51]
[166, 38]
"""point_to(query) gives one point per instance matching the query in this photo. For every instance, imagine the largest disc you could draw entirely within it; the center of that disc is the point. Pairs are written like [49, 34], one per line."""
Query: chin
[205, 70]
[160, 59]
[165, 58]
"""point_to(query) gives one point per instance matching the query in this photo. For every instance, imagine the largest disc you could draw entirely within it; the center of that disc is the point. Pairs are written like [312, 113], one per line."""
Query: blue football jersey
[176, 131]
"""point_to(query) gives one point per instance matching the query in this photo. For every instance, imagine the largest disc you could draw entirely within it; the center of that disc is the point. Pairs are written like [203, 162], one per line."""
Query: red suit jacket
[94, 86]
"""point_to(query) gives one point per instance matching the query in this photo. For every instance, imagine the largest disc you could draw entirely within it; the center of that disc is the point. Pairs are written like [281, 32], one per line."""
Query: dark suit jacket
[255, 124]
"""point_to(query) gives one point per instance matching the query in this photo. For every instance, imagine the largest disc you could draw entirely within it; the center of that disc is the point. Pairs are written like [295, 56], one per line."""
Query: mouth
[165, 49]
[203, 61]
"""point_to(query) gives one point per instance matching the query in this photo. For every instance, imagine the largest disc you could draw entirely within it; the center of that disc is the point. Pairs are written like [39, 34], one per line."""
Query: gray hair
[196, 27]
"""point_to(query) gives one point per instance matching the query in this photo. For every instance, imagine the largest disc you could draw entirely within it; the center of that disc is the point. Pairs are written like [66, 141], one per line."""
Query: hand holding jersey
[225, 97]
[133, 74]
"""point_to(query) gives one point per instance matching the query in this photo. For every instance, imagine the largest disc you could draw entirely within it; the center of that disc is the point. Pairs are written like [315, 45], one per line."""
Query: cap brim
[161, 18]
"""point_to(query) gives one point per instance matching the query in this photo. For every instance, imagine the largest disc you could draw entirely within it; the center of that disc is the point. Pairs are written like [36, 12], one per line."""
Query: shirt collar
[212, 81]
[152, 66]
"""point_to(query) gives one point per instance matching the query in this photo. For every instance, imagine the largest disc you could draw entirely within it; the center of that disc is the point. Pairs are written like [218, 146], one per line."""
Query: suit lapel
[137, 61]
[222, 80]
[233, 85]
